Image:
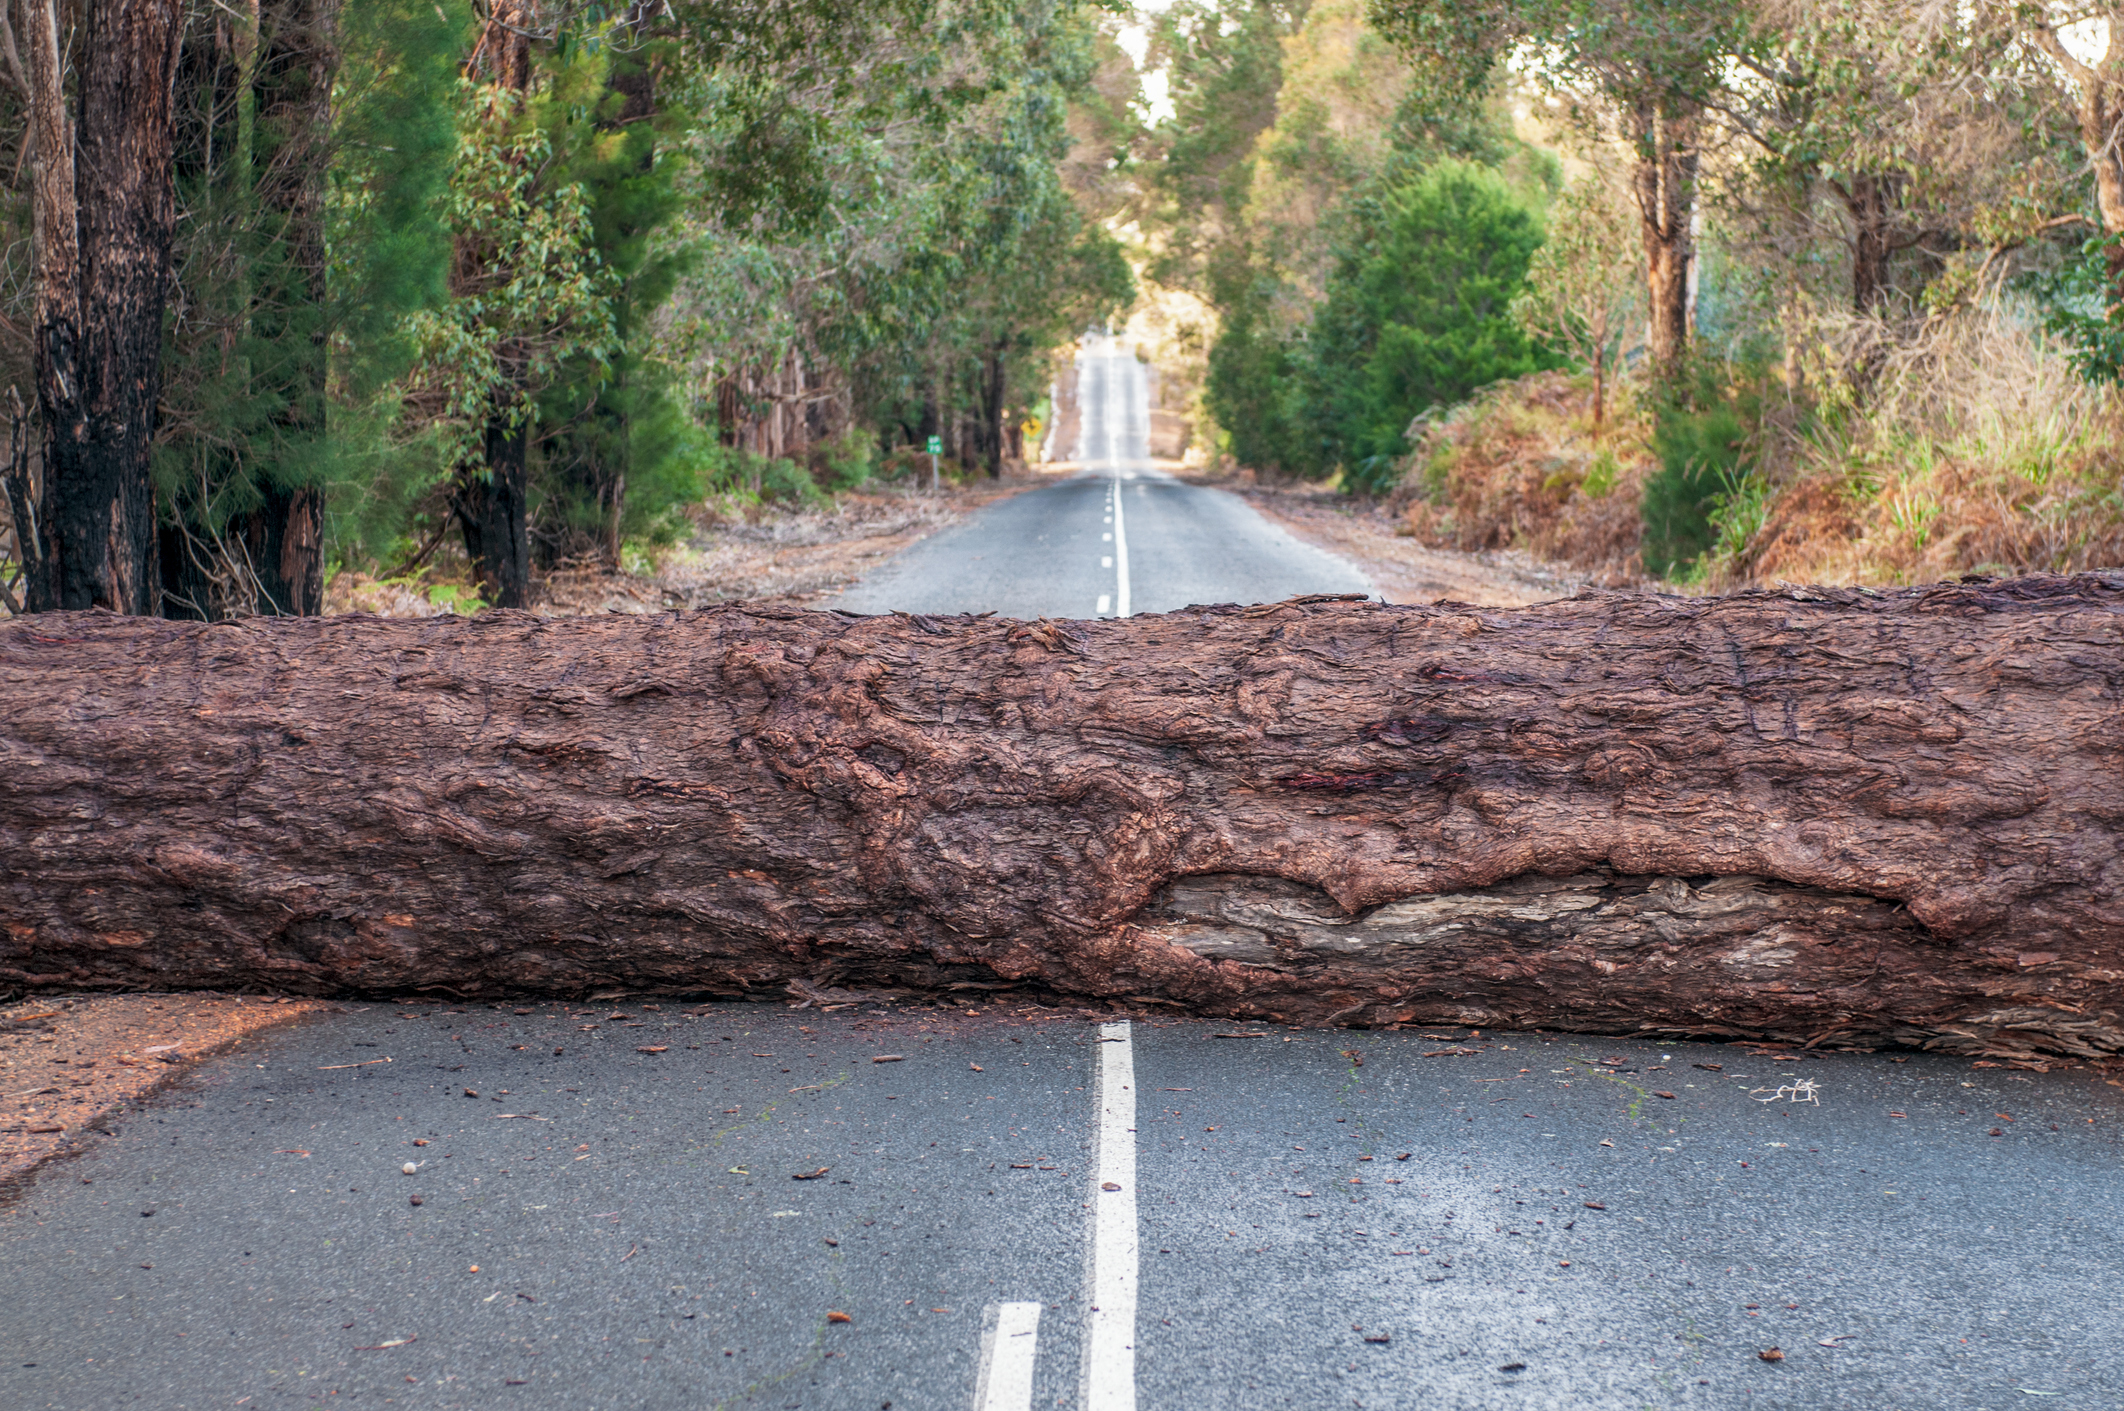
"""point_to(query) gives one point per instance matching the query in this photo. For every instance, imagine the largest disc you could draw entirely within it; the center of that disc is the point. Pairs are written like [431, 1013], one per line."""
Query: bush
[1420, 313]
[846, 461]
[1259, 389]
[1703, 463]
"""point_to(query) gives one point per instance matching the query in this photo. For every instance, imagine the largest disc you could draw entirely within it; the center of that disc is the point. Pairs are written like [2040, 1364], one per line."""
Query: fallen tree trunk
[1829, 816]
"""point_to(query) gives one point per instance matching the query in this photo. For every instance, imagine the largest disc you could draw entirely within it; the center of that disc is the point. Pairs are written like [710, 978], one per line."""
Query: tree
[241, 449]
[1581, 284]
[1648, 67]
[1420, 312]
[1588, 814]
[104, 211]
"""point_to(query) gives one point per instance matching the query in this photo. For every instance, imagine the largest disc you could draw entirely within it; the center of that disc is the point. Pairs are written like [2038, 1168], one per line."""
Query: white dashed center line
[1007, 1359]
[1120, 552]
[1110, 1343]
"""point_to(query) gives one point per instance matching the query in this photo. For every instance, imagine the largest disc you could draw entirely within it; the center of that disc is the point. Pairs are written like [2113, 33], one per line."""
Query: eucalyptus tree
[1650, 69]
[104, 217]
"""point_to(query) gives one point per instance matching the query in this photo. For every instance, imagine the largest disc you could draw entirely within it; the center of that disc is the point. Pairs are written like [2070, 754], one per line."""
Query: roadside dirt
[790, 556]
[67, 1065]
[1405, 570]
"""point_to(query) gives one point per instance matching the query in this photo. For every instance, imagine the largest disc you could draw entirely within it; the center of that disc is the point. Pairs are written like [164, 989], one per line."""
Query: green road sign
[936, 445]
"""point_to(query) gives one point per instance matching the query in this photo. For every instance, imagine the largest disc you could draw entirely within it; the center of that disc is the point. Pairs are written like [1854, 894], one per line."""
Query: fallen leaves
[1109, 1185]
[386, 1346]
[1594, 1205]
[1668, 1096]
[1356, 1061]
[810, 1175]
[652, 1048]
[888, 1058]
[837, 1316]
[1772, 1354]
[326, 1068]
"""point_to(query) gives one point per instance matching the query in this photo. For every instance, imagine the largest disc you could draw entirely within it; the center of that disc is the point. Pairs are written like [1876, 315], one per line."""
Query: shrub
[1419, 313]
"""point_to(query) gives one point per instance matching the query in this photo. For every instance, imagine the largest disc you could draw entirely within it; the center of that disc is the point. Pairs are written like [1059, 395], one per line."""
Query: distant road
[1117, 538]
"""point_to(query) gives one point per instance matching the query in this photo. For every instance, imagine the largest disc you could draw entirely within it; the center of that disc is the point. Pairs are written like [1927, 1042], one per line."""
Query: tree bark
[1828, 816]
[494, 510]
[104, 211]
[1870, 200]
[492, 497]
[297, 60]
[1664, 185]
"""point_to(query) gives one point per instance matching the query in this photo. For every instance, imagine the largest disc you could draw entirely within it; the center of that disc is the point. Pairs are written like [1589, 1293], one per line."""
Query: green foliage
[1704, 481]
[2080, 308]
[1420, 313]
[1260, 389]
[847, 462]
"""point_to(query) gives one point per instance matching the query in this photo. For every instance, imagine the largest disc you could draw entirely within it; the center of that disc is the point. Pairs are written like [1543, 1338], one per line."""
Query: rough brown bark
[1664, 185]
[1832, 816]
[105, 208]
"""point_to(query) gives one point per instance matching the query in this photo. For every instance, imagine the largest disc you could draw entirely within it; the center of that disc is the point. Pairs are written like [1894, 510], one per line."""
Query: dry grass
[1973, 447]
[1977, 448]
[1517, 467]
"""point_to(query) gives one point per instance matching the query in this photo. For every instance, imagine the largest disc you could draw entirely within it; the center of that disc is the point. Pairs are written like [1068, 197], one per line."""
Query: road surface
[1117, 538]
[611, 1216]
[630, 1205]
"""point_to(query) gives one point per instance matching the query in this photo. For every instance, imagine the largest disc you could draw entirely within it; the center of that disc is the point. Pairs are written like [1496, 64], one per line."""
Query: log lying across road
[1841, 817]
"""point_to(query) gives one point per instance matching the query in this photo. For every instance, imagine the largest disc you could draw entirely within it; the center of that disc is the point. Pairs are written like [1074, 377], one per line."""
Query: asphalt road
[1027, 1209]
[1120, 537]
[604, 1226]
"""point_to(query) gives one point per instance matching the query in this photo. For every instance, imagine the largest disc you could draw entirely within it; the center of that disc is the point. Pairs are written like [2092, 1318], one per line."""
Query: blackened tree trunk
[104, 214]
[298, 56]
[1829, 816]
[494, 510]
[492, 498]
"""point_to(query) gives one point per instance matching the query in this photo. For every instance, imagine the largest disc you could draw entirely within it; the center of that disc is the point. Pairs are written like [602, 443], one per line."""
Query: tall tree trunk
[1869, 199]
[1820, 815]
[1664, 185]
[993, 389]
[104, 215]
[2098, 109]
[494, 509]
[297, 59]
[493, 498]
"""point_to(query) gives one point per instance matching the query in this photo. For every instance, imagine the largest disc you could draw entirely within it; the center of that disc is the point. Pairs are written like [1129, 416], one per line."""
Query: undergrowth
[1949, 445]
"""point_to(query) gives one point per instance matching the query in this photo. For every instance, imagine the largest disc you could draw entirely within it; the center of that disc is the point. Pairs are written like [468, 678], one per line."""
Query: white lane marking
[1105, 602]
[1110, 1346]
[1120, 556]
[1007, 1359]
[1107, 562]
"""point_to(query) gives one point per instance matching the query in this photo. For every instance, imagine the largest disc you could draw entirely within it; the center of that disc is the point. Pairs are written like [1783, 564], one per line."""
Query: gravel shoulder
[69, 1066]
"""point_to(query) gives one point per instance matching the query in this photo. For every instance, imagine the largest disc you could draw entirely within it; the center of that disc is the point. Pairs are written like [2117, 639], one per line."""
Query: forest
[1704, 295]
[298, 286]
[463, 296]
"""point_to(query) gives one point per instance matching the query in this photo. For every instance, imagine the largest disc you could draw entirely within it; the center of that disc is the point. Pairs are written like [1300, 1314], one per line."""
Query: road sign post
[936, 448]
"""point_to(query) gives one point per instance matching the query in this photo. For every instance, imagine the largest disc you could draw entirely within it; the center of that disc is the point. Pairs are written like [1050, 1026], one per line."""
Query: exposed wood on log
[1829, 816]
